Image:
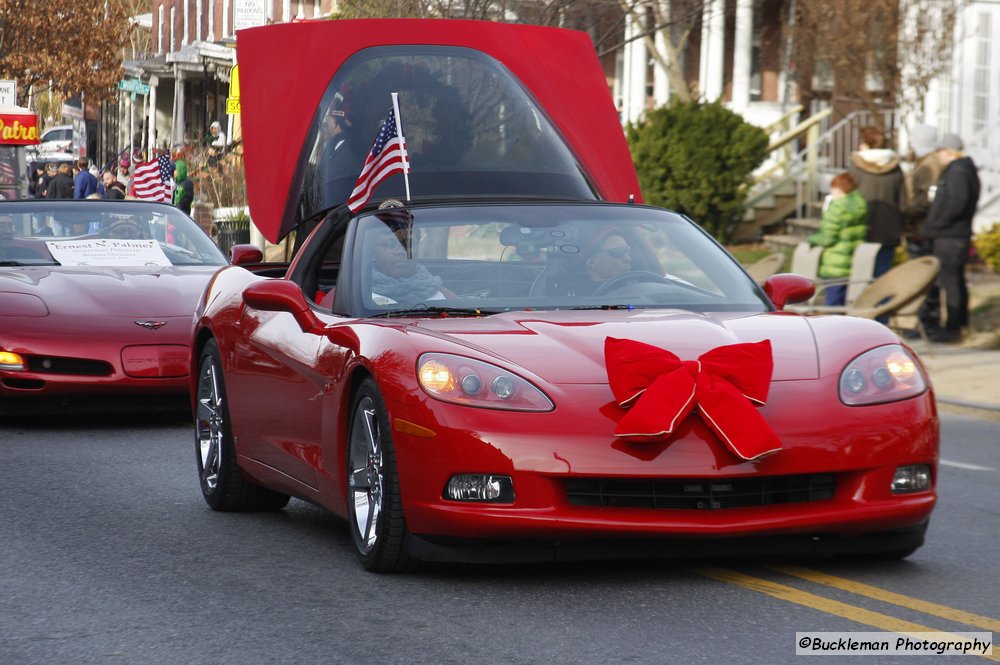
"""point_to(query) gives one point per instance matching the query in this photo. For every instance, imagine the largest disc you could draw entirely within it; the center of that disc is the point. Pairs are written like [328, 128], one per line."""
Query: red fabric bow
[659, 390]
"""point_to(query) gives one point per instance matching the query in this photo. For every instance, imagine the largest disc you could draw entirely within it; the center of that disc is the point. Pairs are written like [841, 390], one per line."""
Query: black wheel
[222, 483]
[621, 280]
[374, 503]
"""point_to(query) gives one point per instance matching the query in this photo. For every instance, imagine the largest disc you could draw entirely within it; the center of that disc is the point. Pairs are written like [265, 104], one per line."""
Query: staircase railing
[785, 165]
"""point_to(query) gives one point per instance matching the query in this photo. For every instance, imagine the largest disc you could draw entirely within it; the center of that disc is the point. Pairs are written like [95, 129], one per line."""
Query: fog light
[477, 487]
[916, 478]
[11, 361]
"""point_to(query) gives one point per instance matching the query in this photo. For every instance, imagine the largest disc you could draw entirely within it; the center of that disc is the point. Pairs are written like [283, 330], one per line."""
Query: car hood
[558, 67]
[568, 347]
[106, 291]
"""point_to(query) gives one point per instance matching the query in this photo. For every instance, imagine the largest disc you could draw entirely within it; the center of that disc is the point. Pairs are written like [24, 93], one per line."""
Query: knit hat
[923, 140]
[951, 142]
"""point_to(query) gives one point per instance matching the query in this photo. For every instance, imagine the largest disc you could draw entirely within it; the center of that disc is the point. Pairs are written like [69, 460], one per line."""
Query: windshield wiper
[442, 312]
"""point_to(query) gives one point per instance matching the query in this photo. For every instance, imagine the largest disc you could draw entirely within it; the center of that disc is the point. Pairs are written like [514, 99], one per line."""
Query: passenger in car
[396, 276]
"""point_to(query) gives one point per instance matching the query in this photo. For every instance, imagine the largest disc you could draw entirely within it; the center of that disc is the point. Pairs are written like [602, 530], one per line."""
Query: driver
[609, 255]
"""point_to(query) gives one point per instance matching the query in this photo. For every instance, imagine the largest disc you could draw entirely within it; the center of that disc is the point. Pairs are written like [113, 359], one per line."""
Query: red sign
[19, 129]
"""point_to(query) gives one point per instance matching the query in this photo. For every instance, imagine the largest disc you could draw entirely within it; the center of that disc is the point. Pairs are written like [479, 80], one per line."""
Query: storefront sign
[19, 129]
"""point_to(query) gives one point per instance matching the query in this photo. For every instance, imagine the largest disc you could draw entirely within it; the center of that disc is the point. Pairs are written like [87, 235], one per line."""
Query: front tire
[374, 502]
[222, 482]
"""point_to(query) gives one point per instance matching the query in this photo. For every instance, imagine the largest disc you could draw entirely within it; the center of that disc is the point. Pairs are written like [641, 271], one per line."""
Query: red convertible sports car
[498, 357]
[98, 316]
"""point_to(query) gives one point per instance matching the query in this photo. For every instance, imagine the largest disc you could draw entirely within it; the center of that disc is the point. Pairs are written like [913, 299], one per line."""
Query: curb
[974, 409]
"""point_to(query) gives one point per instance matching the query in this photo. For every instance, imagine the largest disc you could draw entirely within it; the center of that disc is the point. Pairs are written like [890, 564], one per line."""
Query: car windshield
[484, 259]
[98, 233]
[469, 125]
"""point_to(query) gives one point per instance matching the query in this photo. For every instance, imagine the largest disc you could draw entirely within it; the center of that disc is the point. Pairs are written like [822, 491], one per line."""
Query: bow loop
[660, 390]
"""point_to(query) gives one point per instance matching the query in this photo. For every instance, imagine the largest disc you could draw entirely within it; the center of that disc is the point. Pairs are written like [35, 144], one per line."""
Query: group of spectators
[931, 206]
[74, 181]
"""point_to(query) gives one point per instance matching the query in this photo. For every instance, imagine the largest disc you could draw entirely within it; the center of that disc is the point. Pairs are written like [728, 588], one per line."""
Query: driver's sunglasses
[617, 252]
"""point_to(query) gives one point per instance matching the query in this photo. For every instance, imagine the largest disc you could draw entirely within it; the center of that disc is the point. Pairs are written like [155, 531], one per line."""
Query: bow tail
[660, 408]
[734, 419]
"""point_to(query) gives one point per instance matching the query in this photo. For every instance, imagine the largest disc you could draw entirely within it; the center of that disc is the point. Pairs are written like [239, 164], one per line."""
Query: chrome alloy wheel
[366, 479]
[209, 421]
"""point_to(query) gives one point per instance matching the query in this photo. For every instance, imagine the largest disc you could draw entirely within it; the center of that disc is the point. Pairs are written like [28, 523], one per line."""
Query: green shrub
[988, 247]
[697, 158]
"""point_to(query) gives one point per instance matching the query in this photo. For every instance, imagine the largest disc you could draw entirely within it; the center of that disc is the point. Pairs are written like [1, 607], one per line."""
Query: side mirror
[240, 255]
[788, 288]
[280, 295]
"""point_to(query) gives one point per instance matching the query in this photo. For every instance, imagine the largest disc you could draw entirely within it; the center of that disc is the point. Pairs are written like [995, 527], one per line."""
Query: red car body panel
[555, 64]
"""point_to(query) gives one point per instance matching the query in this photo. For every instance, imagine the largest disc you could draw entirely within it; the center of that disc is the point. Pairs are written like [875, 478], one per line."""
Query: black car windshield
[101, 233]
[470, 128]
[495, 258]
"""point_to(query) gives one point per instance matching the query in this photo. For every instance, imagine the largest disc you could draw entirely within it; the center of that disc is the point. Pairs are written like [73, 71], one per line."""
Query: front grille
[699, 493]
[69, 366]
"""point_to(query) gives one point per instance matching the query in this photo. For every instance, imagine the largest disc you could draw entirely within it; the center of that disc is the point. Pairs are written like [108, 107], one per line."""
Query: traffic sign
[135, 86]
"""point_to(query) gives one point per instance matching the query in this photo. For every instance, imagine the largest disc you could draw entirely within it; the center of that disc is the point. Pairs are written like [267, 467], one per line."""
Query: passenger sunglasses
[617, 252]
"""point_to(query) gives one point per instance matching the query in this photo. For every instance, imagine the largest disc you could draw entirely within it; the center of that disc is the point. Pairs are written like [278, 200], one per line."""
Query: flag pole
[402, 140]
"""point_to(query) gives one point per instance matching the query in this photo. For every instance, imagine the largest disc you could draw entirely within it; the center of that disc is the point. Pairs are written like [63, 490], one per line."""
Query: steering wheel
[629, 277]
[123, 231]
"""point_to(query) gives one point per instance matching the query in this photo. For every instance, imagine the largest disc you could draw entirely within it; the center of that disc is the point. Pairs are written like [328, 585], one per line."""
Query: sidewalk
[968, 378]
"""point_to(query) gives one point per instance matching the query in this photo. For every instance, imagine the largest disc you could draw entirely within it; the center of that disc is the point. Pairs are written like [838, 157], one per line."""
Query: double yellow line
[860, 615]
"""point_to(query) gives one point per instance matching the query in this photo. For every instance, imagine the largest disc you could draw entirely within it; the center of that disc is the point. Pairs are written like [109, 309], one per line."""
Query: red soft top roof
[285, 69]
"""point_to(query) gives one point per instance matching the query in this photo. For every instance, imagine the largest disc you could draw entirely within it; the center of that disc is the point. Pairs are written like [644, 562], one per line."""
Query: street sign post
[135, 86]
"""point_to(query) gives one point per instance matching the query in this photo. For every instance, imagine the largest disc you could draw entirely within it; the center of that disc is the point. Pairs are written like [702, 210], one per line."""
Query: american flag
[153, 180]
[387, 156]
[7, 175]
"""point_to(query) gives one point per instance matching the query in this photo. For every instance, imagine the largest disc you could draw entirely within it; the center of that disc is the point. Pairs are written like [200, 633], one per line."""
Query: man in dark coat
[61, 186]
[949, 227]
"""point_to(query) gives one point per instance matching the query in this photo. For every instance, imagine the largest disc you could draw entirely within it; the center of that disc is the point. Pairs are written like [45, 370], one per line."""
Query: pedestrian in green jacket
[843, 227]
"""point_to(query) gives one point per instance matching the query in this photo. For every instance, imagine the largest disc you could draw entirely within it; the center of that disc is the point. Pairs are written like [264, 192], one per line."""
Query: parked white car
[56, 144]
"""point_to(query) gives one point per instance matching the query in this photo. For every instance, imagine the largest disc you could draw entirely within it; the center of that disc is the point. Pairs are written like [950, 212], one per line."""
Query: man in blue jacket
[84, 184]
[949, 227]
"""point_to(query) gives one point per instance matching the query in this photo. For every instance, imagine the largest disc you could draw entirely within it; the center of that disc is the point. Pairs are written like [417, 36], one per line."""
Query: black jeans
[930, 311]
[953, 254]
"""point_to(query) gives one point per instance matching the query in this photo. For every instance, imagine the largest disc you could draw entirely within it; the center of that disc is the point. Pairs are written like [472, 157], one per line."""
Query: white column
[742, 55]
[178, 119]
[661, 82]
[151, 119]
[714, 51]
[634, 71]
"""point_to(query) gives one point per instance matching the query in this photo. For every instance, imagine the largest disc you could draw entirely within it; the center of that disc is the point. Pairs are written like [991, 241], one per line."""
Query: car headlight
[886, 374]
[471, 382]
